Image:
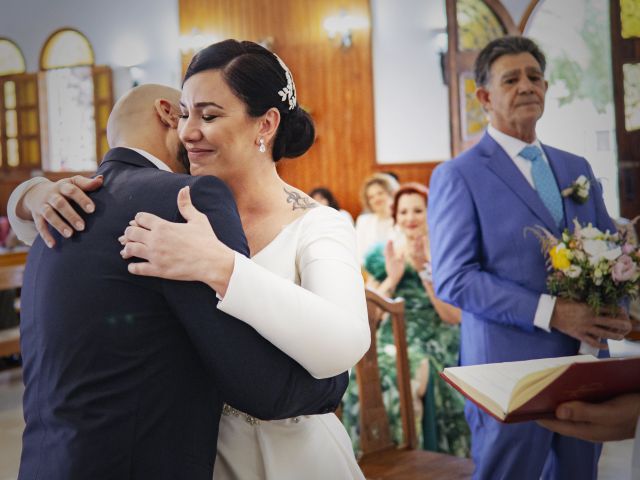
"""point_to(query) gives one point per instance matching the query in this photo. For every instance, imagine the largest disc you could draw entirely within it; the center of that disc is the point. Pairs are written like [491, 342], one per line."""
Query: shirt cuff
[542, 319]
[25, 230]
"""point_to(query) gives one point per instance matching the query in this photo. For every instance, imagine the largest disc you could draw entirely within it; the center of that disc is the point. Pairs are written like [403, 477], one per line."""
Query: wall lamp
[342, 26]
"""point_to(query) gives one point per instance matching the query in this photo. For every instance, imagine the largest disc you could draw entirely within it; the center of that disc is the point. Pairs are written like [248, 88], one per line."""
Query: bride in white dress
[302, 288]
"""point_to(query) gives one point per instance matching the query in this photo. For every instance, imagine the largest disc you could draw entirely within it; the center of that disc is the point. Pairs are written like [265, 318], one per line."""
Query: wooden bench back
[375, 433]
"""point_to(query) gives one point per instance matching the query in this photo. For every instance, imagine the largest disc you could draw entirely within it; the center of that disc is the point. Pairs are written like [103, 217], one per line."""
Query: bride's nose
[189, 130]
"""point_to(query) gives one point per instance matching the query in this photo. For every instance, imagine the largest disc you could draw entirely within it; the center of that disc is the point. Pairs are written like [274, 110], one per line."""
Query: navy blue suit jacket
[126, 376]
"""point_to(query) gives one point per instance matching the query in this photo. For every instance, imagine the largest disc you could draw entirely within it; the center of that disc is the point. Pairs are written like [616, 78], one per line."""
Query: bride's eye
[209, 118]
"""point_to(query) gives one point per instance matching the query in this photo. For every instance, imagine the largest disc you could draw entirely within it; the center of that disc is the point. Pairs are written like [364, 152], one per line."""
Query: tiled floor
[615, 462]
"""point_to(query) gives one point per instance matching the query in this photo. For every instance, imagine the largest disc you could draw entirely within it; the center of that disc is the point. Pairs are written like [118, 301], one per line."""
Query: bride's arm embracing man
[134, 337]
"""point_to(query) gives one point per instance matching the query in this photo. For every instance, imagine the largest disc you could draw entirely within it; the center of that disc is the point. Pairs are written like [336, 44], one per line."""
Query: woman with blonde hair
[375, 224]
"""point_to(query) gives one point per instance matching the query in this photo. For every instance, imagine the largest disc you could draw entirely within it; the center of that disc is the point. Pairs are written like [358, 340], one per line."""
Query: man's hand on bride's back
[52, 203]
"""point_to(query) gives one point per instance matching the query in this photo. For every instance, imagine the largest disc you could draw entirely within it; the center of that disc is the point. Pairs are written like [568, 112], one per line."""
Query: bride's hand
[49, 203]
[178, 251]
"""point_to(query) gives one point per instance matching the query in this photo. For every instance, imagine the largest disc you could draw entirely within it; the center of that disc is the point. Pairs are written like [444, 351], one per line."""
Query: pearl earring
[262, 148]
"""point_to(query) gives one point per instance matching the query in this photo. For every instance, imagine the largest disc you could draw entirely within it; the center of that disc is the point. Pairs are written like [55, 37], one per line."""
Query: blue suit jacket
[125, 376]
[484, 262]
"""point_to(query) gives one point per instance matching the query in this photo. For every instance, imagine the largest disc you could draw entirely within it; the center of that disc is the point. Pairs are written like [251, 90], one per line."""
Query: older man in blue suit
[481, 204]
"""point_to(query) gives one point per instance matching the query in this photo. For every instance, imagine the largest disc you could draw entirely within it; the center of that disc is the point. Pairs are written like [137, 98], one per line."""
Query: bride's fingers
[134, 249]
[148, 220]
[137, 234]
[144, 269]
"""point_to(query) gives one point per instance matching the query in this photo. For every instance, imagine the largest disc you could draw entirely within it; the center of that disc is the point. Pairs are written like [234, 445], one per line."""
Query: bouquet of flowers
[591, 266]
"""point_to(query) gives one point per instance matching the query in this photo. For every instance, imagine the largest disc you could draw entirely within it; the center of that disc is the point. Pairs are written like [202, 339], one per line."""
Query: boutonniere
[578, 190]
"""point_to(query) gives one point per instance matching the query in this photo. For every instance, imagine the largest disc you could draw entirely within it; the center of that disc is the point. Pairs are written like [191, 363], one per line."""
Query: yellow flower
[559, 257]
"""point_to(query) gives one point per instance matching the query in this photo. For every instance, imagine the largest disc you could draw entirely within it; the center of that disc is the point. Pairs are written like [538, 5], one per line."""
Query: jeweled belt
[229, 410]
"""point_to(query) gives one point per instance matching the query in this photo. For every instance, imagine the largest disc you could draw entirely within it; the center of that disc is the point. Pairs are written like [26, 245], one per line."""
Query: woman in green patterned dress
[402, 270]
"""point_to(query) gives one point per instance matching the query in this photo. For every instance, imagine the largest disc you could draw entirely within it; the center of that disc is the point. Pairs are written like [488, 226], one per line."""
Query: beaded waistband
[229, 410]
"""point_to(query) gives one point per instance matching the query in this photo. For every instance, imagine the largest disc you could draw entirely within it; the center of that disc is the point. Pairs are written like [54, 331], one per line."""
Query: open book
[532, 389]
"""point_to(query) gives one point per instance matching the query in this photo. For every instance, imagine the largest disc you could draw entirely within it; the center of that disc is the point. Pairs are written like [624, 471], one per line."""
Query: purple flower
[624, 269]
[627, 248]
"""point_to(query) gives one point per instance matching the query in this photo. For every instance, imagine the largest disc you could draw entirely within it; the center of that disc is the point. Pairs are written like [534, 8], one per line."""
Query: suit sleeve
[603, 220]
[456, 251]
[252, 374]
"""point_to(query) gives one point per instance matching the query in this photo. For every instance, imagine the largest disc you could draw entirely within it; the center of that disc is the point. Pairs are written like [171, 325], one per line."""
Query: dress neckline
[284, 229]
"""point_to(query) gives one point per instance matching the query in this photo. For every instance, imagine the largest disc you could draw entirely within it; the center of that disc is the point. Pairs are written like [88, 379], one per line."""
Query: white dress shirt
[512, 147]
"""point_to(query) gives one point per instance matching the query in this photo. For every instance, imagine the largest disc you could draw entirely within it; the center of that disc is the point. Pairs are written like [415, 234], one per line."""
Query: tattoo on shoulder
[298, 201]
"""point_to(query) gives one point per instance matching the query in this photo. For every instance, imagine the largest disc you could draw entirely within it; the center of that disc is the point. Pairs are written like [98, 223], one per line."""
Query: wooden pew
[11, 273]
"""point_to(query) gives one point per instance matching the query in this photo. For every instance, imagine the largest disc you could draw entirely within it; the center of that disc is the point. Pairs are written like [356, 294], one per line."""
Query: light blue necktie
[544, 182]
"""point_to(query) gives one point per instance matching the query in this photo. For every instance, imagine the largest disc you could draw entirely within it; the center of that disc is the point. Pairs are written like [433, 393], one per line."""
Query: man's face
[514, 94]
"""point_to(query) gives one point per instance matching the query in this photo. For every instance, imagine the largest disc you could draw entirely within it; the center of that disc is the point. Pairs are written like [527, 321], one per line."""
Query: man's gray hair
[510, 45]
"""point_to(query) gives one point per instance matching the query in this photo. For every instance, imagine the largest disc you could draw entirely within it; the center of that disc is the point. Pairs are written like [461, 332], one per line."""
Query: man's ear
[482, 94]
[167, 112]
[269, 125]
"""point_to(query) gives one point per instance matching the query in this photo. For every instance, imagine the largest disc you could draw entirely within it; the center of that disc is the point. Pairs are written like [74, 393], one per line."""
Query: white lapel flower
[578, 190]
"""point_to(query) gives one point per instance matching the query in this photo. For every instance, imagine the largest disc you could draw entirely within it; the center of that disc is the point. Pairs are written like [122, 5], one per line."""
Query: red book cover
[586, 381]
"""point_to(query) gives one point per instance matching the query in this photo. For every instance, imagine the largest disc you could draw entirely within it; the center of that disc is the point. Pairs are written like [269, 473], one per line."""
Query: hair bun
[295, 136]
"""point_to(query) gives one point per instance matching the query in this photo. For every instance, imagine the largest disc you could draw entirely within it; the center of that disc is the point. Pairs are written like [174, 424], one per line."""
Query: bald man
[125, 375]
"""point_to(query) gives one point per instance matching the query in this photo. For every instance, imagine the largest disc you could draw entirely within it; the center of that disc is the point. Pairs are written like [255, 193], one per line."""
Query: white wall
[410, 100]
[120, 31]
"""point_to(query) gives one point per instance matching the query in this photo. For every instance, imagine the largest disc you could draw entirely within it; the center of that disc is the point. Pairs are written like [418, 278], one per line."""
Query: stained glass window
[477, 25]
[474, 119]
[630, 18]
[631, 75]
[11, 59]
[66, 48]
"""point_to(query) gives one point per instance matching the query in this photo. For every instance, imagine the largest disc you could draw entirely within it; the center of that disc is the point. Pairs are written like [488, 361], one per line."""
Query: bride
[302, 288]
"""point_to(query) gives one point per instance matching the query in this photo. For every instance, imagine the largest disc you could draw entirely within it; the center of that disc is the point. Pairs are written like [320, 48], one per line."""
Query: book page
[497, 380]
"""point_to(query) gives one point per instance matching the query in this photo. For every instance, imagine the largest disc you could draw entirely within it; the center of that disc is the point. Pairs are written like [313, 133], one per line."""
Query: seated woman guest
[376, 224]
[324, 196]
[401, 269]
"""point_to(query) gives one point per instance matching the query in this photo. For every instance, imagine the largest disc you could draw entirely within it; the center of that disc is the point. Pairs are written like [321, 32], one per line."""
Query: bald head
[134, 118]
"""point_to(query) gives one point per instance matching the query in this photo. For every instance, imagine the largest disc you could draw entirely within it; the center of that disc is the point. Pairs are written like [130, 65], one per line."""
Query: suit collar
[127, 156]
[503, 167]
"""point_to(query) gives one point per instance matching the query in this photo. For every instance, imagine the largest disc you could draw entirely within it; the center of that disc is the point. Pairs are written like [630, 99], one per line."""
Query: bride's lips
[196, 153]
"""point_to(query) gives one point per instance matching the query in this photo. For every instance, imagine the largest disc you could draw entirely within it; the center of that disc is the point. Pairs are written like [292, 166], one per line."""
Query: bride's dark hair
[256, 76]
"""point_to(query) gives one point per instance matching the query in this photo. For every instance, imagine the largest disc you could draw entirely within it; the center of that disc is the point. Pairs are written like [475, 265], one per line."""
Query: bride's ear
[269, 124]
[167, 112]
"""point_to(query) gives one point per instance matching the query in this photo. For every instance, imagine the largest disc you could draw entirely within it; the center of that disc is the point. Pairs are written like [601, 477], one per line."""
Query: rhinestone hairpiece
[288, 93]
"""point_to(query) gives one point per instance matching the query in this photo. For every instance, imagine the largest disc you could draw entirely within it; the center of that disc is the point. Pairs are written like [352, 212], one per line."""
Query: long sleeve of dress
[25, 230]
[321, 323]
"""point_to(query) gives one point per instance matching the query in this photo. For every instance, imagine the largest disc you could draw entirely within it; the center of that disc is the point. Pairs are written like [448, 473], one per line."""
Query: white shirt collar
[513, 146]
[155, 160]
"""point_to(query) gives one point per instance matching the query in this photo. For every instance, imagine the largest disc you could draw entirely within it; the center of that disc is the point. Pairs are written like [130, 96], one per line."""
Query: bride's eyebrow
[204, 104]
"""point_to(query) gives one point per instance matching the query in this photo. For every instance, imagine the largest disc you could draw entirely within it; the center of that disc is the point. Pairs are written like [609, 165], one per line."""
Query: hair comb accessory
[288, 93]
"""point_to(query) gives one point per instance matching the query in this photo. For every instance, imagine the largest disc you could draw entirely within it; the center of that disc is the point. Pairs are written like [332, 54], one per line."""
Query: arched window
[471, 24]
[66, 48]
[19, 126]
[11, 58]
[77, 96]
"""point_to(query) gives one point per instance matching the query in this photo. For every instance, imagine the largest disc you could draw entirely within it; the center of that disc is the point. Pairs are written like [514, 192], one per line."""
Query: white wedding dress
[303, 292]
[313, 309]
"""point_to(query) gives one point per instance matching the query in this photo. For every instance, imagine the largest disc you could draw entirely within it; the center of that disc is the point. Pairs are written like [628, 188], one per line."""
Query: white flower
[600, 249]
[590, 232]
[573, 271]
